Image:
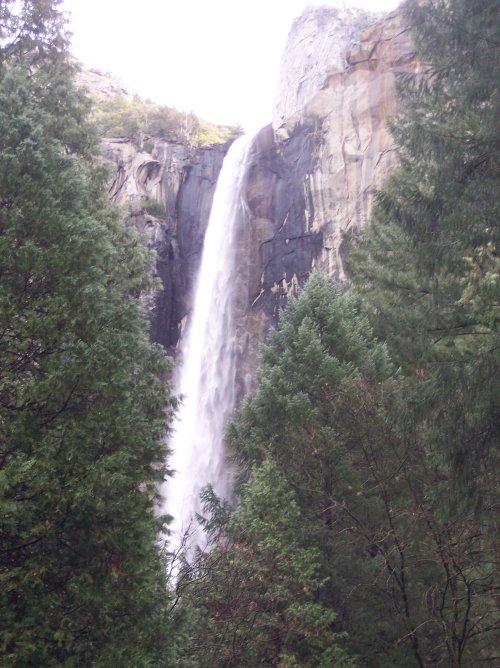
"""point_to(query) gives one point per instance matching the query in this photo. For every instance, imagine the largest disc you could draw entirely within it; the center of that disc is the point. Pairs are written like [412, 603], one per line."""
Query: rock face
[317, 45]
[167, 191]
[101, 85]
[345, 121]
[311, 178]
[314, 172]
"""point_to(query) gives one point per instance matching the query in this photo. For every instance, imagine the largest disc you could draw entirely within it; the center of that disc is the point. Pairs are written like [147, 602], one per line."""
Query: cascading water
[207, 375]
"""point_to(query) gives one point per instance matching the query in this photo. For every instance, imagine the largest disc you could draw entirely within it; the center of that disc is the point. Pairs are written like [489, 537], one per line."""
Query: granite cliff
[167, 190]
[316, 168]
[165, 187]
[312, 175]
[329, 148]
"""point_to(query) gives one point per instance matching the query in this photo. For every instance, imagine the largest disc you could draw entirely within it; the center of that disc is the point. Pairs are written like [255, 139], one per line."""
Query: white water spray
[207, 376]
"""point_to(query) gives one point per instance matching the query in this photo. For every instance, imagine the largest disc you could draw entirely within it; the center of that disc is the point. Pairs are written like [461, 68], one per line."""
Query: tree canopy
[428, 266]
[83, 407]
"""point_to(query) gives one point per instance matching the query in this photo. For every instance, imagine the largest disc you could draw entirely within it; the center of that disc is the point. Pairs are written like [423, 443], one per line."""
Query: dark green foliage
[429, 265]
[31, 29]
[147, 205]
[409, 585]
[432, 248]
[154, 208]
[324, 339]
[82, 407]
[257, 590]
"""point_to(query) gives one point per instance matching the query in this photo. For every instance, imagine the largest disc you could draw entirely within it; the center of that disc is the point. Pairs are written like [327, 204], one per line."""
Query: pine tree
[257, 589]
[82, 406]
[429, 266]
[409, 585]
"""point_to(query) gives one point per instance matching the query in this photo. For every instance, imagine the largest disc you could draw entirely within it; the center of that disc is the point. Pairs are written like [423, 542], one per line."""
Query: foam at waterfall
[206, 379]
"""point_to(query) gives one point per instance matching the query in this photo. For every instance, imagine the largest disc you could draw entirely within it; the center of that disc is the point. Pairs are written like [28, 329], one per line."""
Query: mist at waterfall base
[207, 374]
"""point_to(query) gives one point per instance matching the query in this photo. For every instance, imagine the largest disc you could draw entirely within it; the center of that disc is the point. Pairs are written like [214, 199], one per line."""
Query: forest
[366, 528]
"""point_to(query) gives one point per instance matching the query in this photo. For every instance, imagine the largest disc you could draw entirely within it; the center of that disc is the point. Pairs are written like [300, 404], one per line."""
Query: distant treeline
[141, 120]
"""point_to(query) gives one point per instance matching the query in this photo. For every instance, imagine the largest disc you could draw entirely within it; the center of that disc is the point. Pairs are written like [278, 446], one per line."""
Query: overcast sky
[218, 58]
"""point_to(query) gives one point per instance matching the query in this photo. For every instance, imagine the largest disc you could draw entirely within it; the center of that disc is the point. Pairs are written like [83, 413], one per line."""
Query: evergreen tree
[82, 406]
[257, 589]
[409, 585]
[428, 266]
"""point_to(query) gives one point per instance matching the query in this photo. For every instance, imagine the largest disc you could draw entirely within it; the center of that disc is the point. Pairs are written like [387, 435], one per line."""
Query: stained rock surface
[312, 175]
[314, 171]
[343, 127]
[317, 45]
[167, 193]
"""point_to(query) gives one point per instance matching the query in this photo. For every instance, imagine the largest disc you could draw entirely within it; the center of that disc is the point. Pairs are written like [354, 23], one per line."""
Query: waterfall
[206, 380]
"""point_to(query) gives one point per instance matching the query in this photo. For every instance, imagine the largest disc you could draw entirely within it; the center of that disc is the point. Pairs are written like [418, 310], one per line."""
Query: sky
[218, 58]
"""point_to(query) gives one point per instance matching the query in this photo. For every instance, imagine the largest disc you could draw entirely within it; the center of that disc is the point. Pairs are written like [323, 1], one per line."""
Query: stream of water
[206, 380]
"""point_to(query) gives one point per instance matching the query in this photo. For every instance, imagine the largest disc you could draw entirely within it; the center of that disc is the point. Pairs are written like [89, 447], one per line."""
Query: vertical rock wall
[193, 205]
[167, 193]
[312, 176]
[317, 45]
[345, 119]
[316, 169]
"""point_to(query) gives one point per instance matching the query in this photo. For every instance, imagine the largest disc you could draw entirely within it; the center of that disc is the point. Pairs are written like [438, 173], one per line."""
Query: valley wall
[312, 178]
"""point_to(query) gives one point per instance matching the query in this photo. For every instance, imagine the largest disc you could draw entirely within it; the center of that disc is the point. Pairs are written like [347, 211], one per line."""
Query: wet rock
[168, 193]
[313, 174]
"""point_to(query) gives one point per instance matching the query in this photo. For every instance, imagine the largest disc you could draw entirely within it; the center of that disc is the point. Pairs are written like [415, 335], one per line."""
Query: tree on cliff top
[82, 409]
